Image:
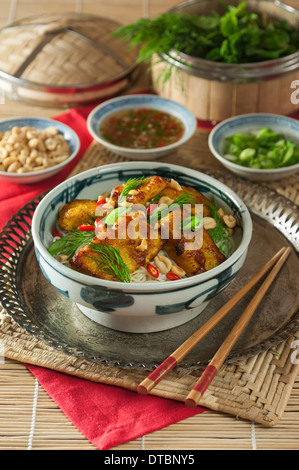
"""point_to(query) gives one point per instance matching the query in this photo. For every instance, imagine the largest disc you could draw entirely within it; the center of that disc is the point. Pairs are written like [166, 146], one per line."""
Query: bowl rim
[142, 287]
[246, 169]
[187, 134]
[56, 168]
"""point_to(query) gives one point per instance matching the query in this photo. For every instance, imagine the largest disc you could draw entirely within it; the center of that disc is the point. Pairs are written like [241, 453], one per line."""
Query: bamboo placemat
[255, 389]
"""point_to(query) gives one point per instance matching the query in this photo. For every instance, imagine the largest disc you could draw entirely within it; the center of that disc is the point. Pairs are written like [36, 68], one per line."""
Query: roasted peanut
[51, 131]
[51, 144]
[25, 149]
[163, 263]
[175, 185]
[13, 166]
[33, 143]
[8, 161]
[220, 212]
[229, 221]
[175, 269]
[133, 192]
[209, 223]
[165, 200]
[142, 246]
[3, 153]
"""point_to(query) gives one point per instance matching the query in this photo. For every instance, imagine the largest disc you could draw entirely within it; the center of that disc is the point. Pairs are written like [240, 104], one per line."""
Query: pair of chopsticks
[211, 370]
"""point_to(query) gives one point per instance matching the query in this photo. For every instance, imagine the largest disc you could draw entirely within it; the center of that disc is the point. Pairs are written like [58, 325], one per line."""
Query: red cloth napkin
[104, 414]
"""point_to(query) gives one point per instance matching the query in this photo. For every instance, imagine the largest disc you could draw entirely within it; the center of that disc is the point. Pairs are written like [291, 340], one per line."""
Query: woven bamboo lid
[68, 54]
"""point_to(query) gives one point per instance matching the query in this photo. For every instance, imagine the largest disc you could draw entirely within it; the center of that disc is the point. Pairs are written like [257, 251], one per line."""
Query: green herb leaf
[116, 214]
[163, 211]
[132, 183]
[229, 24]
[156, 199]
[239, 35]
[184, 198]
[219, 234]
[110, 261]
[192, 223]
[69, 244]
[264, 149]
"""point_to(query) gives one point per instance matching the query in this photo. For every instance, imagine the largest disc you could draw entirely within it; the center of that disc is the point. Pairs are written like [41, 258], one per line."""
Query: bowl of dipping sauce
[141, 127]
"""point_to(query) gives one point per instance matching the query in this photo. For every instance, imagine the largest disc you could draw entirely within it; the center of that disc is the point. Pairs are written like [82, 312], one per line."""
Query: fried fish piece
[135, 251]
[197, 258]
[148, 189]
[85, 262]
[198, 197]
[75, 213]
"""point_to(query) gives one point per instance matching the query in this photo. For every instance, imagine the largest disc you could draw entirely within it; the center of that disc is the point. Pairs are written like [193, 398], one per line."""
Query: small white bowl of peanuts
[33, 149]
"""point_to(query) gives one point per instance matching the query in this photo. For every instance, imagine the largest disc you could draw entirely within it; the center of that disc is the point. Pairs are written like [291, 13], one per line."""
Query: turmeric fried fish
[194, 261]
[75, 213]
[143, 193]
[135, 251]
[173, 190]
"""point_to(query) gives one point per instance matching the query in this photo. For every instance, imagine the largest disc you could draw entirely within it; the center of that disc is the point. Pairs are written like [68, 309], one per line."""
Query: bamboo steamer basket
[214, 91]
[64, 60]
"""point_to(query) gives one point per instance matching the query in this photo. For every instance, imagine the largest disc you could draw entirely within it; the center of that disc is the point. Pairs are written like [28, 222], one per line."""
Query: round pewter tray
[64, 60]
[46, 314]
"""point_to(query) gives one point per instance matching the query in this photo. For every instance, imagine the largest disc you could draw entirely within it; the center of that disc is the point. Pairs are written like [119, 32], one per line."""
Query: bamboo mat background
[29, 419]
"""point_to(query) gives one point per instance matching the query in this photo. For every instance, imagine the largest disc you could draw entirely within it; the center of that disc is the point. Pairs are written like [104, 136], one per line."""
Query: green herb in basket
[264, 149]
[237, 35]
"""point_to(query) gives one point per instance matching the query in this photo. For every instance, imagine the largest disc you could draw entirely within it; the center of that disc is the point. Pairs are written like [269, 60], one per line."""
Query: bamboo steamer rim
[67, 52]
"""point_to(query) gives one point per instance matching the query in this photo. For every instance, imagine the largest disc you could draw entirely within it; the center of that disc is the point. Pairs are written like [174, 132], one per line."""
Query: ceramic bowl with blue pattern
[138, 307]
[122, 103]
[31, 177]
[286, 126]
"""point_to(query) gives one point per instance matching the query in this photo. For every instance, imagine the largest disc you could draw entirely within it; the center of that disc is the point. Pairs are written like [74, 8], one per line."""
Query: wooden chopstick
[211, 370]
[163, 369]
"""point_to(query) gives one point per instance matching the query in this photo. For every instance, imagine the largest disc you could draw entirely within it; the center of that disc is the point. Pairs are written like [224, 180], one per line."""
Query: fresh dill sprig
[235, 35]
[184, 198]
[132, 183]
[110, 261]
[180, 201]
[69, 244]
[156, 199]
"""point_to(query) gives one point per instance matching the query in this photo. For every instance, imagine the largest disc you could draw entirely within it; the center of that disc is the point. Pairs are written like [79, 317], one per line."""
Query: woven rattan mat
[255, 389]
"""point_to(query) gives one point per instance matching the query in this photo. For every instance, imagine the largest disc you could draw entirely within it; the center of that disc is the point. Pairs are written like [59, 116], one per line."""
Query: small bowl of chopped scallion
[257, 146]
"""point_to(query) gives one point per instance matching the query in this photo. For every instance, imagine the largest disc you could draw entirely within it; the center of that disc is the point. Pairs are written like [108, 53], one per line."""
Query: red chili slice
[150, 208]
[153, 270]
[56, 233]
[85, 228]
[172, 277]
[101, 202]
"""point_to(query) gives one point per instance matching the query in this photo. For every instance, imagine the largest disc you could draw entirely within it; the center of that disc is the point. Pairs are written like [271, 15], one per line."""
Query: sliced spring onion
[116, 214]
[193, 223]
[261, 149]
[247, 154]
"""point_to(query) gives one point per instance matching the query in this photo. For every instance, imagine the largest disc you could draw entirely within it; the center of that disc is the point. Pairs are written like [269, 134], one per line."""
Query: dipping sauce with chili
[142, 128]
